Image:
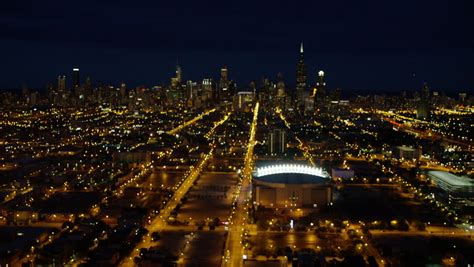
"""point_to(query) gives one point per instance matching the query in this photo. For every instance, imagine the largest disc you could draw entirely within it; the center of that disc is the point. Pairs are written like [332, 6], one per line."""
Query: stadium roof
[293, 178]
[291, 174]
[290, 168]
[451, 178]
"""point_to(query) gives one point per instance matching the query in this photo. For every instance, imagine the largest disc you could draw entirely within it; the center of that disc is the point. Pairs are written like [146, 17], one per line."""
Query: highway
[234, 250]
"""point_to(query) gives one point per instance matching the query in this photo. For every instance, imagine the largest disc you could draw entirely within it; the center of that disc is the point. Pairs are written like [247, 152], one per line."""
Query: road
[217, 124]
[425, 134]
[234, 250]
[159, 222]
[430, 231]
[371, 250]
[190, 122]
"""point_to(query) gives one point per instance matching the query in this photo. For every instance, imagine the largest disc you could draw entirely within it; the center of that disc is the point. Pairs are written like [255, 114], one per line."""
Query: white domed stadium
[291, 185]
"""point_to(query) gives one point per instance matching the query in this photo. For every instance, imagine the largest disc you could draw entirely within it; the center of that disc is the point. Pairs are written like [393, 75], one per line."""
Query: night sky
[362, 45]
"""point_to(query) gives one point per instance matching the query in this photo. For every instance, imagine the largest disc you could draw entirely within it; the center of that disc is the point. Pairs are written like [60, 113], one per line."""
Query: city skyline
[363, 46]
[234, 134]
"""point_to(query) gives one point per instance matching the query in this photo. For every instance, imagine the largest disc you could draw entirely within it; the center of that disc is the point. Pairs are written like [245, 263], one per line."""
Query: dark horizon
[361, 46]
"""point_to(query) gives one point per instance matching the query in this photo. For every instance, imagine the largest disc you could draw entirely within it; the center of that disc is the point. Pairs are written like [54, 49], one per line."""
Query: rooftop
[291, 174]
[293, 178]
[290, 168]
[451, 178]
[406, 148]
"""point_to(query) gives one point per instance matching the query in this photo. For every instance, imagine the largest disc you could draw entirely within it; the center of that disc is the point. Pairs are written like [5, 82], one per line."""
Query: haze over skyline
[367, 45]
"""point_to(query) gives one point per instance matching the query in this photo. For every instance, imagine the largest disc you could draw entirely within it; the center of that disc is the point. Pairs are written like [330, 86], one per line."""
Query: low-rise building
[406, 152]
[458, 190]
[344, 174]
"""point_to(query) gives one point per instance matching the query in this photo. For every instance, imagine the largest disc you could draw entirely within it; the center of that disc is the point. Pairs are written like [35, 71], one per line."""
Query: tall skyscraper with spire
[301, 78]
[179, 74]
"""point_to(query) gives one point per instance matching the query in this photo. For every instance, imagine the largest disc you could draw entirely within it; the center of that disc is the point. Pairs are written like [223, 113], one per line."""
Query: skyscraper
[61, 83]
[301, 78]
[224, 90]
[208, 90]
[320, 93]
[224, 74]
[425, 92]
[191, 91]
[177, 79]
[88, 86]
[179, 74]
[280, 86]
[423, 109]
[76, 82]
[277, 142]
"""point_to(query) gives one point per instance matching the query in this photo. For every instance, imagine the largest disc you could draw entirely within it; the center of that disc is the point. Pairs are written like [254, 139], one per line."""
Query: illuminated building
[76, 81]
[177, 79]
[277, 142]
[280, 90]
[458, 190]
[280, 86]
[265, 93]
[191, 93]
[61, 83]
[243, 101]
[224, 76]
[291, 185]
[308, 104]
[320, 88]
[60, 96]
[208, 90]
[224, 92]
[177, 90]
[179, 74]
[301, 78]
[405, 152]
[423, 109]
